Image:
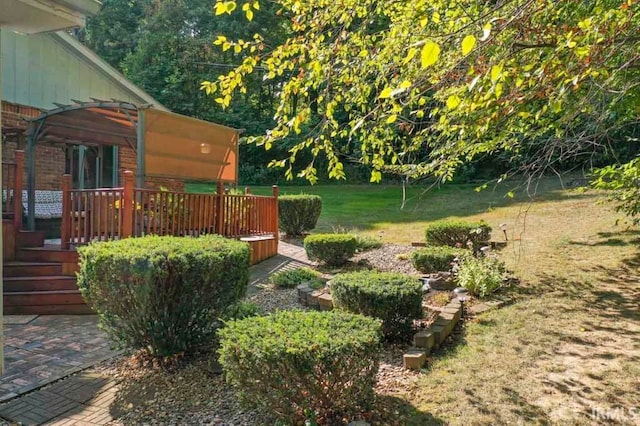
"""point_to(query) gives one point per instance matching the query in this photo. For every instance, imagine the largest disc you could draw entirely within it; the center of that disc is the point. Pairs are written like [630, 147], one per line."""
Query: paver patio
[41, 351]
[49, 348]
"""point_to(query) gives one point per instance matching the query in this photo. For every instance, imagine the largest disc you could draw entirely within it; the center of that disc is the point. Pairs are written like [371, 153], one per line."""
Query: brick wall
[49, 159]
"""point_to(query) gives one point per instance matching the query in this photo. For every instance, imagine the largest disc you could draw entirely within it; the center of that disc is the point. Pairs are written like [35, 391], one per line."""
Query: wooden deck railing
[108, 214]
[12, 175]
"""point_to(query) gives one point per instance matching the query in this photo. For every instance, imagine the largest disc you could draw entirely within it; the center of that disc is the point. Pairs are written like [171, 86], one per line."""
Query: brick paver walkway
[49, 348]
[290, 256]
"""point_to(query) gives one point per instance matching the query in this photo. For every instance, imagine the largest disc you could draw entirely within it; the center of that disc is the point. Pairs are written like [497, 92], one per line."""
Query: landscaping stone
[441, 281]
[485, 306]
[439, 333]
[303, 291]
[424, 340]
[325, 301]
[414, 359]
[312, 299]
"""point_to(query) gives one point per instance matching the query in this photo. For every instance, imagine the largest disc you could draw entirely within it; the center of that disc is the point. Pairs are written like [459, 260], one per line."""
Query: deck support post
[220, 209]
[17, 192]
[65, 236]
[276, 192]
[127, 205]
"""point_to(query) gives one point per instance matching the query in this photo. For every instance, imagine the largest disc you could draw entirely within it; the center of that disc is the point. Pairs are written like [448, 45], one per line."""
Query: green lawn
[374, 208]
[570, 340]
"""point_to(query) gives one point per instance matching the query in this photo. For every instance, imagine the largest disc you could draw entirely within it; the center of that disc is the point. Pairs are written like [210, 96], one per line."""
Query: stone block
[447, 325]
[439, 333]
[325, 301]
[442, 283]
[424, 340]
[414, 359]
[303, 291]
[312, 299]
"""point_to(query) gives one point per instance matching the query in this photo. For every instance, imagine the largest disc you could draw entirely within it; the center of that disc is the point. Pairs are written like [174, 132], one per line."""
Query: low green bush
[456, 233]
[294, 277]
[298, 213]
[481, 275]
[332, 249]
[296, 365]
[366, 243]
[394, 298]
[436, 258]
[240, 310]
[163, 294]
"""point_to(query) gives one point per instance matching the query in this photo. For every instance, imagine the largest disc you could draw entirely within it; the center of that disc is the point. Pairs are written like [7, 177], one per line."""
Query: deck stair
[41, 280]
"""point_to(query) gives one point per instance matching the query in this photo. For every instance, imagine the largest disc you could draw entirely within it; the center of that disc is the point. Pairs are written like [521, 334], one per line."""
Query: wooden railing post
[220, 209]
[127, 205]
[276, 192]
[65, 232]
[17, 191]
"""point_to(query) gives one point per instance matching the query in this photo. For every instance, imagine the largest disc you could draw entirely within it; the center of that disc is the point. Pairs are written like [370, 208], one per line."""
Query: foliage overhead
[422, 87]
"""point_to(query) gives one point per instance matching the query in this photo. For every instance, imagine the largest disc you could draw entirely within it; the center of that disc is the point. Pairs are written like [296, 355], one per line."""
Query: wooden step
[49, 310]
[39, 284]
[46, 254]
[43, 298]
[31, 269]
[29, 239]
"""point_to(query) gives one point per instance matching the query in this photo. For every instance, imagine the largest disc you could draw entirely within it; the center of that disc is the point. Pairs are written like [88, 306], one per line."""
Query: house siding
[39, 71]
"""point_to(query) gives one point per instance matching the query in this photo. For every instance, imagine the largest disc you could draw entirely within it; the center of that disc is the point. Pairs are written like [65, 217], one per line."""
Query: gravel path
[390, 258]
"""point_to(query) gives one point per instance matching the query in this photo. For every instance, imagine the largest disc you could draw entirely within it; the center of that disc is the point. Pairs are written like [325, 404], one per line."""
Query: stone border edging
[424, 341]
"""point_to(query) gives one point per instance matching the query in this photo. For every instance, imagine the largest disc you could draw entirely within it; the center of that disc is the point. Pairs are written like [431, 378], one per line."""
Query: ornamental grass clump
[436, 258]
[295, 365]
[457, 233]
[331, 249]
[394, 298]
[298, 213]
[163, 294]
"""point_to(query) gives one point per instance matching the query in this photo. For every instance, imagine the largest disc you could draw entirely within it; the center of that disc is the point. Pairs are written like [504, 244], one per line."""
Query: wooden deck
[39, 278]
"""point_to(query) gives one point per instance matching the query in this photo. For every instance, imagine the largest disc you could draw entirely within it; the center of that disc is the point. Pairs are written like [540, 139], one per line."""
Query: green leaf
[386, 93]
[392, 119]
[496, 72]
[220, 8]
[453, 101]
[511, 194]
[430, 53]
[468, 43]
[230, 6]
[249, 14]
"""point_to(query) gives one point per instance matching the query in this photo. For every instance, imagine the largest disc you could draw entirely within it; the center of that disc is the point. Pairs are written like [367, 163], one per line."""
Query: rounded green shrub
[481, 275]
[163, 294]
[394, 298]
[436, 258]
[296, 364]
[332, 249]
[457, 233]
[298, 213]
[294, 277]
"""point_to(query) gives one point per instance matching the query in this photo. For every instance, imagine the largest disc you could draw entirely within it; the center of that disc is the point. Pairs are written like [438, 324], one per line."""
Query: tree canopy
[425, 86]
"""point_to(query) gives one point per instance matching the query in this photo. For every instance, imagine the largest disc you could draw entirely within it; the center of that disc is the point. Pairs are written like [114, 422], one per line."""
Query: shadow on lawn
[391, 410]
[612, 239]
